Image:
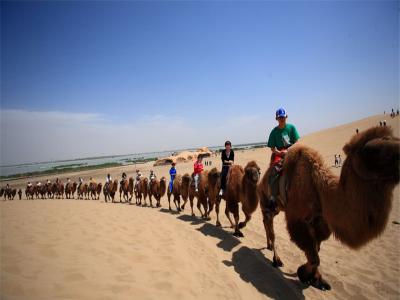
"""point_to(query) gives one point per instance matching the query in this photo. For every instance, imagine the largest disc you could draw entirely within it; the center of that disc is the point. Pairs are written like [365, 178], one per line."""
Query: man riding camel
[123, 178]
[281, 138]
[172, 174]
[138, 177]
[108, 180]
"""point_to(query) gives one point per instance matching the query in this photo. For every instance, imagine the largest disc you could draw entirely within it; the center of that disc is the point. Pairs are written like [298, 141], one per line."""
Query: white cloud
[31, 136]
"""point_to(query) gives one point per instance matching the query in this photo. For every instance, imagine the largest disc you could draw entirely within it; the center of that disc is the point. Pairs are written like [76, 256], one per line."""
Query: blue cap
[281, 113]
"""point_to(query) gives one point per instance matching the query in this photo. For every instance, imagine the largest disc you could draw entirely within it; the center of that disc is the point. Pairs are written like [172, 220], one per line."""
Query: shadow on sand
[254, 268]
[227, 240]
[250, 264]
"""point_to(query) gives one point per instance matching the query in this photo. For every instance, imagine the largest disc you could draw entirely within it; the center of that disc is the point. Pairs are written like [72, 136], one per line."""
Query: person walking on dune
[281, 138]
[228, 158]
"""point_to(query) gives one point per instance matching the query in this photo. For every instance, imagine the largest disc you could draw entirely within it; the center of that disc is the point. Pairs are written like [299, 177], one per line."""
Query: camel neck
[355, 210]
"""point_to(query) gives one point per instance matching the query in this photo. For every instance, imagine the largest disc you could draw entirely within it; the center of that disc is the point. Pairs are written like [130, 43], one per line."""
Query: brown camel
[70, 189]
[58, 190]
[11, 193]
[180, 188]
[201, 195]
[99, 187]
[142, 190]
[214, 186]
[109, 190]
[157, 189]
[83, 191]
[241, 188]
[127, 189]
[354, 206]
[29, 192]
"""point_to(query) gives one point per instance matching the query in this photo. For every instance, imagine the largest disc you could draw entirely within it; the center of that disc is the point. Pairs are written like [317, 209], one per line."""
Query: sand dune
[70, 249]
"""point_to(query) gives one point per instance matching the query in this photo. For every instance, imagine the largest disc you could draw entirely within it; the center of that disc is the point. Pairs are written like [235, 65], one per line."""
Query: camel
[241, 188]
[94, 190]
[99, 187]
[58, 190]
[83, 191]
[126, 188]
[30, 192]
[109, 190]
[202, 194]
[354, 207]
[214, 186]
[157, 189]
[179, 188]
[142, 189]
[10, 193]
[70, 189]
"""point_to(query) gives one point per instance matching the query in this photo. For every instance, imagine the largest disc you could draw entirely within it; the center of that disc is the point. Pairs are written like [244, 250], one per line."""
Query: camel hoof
[218, 224]
[321, 284]
[193, 215]
[183, 207]
[304, 276]
[238, 233]
[242, 225]
[269, 247]
[277, 263]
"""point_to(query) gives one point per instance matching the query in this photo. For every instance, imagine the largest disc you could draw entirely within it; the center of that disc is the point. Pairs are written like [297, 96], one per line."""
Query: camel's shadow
[254, 268]
[191, 219]
[166, 210]
[227, 240]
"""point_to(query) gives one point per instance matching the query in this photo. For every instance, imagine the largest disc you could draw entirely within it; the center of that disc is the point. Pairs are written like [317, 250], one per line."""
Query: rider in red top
[198, 168]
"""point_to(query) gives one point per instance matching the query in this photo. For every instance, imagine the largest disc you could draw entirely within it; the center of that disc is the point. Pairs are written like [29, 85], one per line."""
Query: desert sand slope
[70, 249]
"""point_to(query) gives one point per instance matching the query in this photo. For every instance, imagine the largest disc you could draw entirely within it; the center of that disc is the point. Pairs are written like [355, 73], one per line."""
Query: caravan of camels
[353, 206]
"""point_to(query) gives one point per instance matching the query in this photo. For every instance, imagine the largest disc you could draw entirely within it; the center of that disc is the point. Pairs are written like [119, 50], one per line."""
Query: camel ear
[347, 149]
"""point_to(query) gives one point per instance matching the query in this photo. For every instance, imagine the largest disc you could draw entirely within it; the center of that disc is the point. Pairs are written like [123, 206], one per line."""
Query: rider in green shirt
[280, 139]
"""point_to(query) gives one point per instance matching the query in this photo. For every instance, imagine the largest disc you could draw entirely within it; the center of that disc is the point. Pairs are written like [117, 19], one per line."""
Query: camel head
[252, 172]
[374, 155]
[214, 176]
[186, 179]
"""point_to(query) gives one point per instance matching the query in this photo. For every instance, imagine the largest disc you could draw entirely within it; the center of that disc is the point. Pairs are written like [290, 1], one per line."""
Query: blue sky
[219, 69]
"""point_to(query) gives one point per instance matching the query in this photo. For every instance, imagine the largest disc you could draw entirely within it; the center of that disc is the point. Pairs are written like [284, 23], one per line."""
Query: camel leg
[243, 224]
[237, 232]
[151, 201]
[199, 207]
[169, 200]
[191, 200]
[305, 237]
[270, 233]
[228, 216]
[177, 202]
[184, 203]
[218, 223]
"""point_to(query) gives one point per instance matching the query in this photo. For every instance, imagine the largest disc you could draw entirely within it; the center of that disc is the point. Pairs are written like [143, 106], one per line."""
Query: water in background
[121, 159]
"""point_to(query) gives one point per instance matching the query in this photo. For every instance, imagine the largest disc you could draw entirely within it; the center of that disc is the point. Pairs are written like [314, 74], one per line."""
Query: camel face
[381, 157]
[252, 172]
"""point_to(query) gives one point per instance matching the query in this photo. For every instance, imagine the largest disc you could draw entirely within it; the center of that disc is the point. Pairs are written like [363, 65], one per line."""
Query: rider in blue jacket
[172, 173]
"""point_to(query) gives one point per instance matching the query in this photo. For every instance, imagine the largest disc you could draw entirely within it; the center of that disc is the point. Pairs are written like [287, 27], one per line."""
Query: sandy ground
[70, 249]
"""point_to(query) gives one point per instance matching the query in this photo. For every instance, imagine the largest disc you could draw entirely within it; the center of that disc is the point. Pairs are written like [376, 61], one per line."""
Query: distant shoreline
[71, 169]
[79, 167]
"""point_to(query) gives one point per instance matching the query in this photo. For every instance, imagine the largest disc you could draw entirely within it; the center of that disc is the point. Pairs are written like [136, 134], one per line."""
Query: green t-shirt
[283, 138]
